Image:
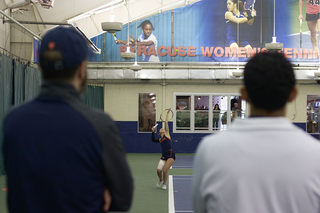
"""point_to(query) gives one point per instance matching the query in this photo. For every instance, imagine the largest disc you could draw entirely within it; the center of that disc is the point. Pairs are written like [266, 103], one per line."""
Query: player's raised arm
[167, 124]
[153, 138]
[228, 16]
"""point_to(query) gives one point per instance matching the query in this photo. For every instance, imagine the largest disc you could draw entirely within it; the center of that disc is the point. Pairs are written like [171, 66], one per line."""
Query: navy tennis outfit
[233, 32]
[166, 147]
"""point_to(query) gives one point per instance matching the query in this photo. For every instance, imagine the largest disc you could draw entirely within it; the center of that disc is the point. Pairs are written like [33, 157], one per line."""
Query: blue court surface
[180, 199]
[183, 162]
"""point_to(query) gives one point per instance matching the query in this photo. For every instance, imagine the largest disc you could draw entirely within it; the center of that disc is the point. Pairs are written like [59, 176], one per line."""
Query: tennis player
[168, 155]
[147, 39]
[312, 18]
[235, 15]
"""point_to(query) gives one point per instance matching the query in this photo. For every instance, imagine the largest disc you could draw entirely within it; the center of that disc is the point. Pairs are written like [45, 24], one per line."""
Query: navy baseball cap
[72, 46]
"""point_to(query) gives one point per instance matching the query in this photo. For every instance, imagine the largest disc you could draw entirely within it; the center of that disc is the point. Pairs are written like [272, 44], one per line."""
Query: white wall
[296, 110]
[121, 100]
[4, 35]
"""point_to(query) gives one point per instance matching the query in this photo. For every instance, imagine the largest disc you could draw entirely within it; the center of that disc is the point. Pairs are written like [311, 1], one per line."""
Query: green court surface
[3, 206]
[147, 197]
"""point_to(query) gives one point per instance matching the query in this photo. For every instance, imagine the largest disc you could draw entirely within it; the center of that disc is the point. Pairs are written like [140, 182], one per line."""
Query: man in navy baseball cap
[62, 51]
[66, 156]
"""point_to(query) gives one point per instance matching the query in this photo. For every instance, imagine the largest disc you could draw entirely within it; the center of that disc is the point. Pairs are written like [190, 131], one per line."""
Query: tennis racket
[300, 33]
[164, 114]
[115, 38]
[249, 4]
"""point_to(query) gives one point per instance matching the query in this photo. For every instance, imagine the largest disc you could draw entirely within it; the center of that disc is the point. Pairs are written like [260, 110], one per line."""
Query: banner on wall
[35, 52]
[214, 31]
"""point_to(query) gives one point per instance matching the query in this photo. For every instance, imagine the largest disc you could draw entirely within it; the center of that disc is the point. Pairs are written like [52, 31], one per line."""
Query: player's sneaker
[159, 184]
[164, 186]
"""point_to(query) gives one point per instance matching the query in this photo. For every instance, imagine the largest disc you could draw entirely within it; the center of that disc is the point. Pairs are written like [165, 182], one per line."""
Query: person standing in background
[59, 154]
[263, 163]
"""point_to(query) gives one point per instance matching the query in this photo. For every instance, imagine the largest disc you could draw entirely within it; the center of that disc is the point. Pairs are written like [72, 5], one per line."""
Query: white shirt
[259, 165]
[151, 58]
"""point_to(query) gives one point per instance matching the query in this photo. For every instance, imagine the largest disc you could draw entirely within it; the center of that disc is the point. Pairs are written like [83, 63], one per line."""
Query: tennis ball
[177, 50]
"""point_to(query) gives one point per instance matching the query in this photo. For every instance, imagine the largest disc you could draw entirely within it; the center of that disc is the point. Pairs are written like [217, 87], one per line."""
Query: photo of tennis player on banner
[312, 17]
[209, 31]
[239, 13]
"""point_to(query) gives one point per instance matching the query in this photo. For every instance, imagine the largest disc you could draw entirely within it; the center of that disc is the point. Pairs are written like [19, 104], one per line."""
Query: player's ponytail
[239, 5]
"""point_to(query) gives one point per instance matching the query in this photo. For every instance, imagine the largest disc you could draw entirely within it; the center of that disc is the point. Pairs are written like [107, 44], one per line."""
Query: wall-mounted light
[237, 74]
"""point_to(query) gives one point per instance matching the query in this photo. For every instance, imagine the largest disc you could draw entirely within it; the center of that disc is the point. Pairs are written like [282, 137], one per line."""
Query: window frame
[210, 121]
[155, 111]
[306, 122]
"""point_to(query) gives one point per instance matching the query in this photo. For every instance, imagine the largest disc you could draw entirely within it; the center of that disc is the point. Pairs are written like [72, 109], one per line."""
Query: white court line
[171, 196]
[183, 178]
[178, 167]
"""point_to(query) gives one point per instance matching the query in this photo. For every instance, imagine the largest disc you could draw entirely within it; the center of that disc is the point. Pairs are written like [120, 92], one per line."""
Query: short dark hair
[144, 23]
[56, 58]
[269, 79]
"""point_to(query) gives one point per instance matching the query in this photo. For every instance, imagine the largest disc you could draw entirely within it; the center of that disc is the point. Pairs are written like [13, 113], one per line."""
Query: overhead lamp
[317, 74]
[237, 74]
[274, 45]
[135, 67]
[111, 27]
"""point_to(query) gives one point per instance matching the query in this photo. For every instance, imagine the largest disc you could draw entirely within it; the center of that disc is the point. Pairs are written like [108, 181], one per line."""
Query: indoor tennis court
[147, 197]
[190, 68]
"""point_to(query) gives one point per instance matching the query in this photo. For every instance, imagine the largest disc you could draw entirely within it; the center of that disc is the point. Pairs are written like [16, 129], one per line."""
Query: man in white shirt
[263, 164]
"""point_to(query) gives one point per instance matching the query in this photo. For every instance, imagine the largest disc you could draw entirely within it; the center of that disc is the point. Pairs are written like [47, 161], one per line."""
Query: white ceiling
[86, 14]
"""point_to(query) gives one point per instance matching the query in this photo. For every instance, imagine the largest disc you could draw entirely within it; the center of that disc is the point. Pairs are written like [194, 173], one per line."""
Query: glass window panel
[313, 113]
[201, 119]
[183, 120]
[183, 102]
[183, 106]
[238, 107]
[219, 107]
[147, 111]
[224, 112]
[201, 115]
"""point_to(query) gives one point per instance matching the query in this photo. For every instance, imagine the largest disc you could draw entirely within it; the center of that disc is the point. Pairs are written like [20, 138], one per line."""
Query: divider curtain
[94, 97]
[18, 83]
[6, 74]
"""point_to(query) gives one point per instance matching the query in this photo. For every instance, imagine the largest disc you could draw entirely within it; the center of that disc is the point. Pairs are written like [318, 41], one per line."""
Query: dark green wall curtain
[32, 83]
[94, 97]
[18, 83]
[6, 82]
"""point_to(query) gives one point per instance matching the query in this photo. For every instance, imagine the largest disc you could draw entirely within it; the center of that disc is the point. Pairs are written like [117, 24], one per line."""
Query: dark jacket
[60, 155]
